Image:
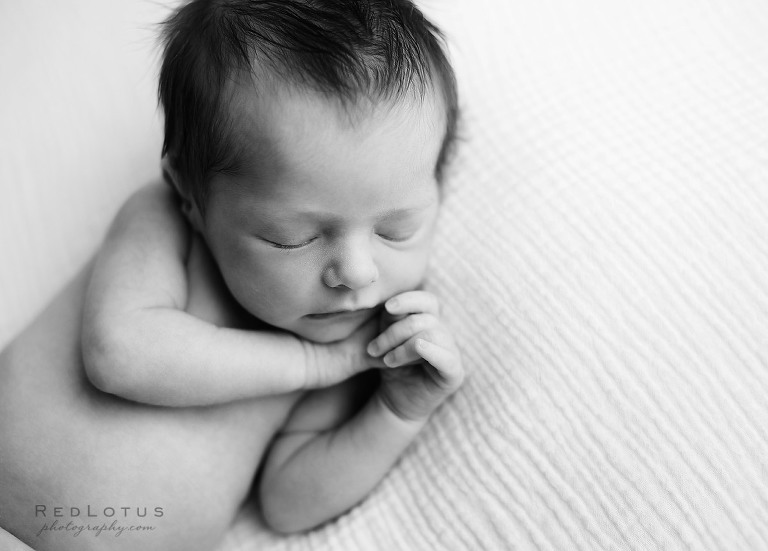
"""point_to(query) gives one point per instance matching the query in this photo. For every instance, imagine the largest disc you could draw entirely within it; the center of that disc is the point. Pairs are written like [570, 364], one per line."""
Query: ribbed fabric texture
[603, 259]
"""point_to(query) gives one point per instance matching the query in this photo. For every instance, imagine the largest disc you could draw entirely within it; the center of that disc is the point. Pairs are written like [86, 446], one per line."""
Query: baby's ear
[187, 204]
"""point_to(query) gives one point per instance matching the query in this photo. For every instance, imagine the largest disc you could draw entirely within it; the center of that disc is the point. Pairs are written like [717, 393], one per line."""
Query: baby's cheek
[408, 274]
[207, 295]
[278, 298]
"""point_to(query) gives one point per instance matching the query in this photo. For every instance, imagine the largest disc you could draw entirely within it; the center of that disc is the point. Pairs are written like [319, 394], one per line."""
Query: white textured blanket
[602, 256]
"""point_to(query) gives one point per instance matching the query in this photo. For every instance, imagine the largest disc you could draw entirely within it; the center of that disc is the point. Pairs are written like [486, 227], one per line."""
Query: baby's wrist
[410, 418]
[313, 360]
[325, 364]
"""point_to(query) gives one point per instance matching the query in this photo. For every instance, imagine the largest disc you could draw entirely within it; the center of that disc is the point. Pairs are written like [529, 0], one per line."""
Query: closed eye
[393, 238]
[288, 246]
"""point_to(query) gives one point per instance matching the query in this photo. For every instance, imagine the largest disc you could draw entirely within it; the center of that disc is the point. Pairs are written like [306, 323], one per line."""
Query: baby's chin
[325, 337]
[327, 331]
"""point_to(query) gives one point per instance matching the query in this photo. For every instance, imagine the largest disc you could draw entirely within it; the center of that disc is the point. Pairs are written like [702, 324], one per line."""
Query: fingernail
[373, 349]
[392, 304]
[389, 360]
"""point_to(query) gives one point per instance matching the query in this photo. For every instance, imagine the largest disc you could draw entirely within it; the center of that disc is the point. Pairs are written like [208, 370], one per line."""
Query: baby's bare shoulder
[141, 262]
[149, 217]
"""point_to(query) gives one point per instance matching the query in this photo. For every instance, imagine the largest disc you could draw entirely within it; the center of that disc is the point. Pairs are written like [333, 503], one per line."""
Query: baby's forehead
[305, 151]
[251, 101]
[265, 121]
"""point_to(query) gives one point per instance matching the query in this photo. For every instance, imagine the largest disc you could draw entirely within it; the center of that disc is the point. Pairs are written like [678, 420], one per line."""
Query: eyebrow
[390, 213]
[407, 210]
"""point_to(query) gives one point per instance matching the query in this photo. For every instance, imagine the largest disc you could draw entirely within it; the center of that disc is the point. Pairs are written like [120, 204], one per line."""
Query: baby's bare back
[172, 478]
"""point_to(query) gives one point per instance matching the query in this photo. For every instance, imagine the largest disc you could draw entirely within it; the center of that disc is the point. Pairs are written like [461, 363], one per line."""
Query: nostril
[352, 265]
[356, 276]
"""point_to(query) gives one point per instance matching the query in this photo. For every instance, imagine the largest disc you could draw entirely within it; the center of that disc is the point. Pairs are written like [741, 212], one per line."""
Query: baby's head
[306, 139]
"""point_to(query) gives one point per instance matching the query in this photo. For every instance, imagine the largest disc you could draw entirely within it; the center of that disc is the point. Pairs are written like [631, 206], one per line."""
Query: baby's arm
[139, 343]
[322, 464]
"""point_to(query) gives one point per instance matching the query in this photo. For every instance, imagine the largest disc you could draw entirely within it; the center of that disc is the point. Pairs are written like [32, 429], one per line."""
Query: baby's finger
[402, 355]
[443, 360]
[400, 331]
[413, 302]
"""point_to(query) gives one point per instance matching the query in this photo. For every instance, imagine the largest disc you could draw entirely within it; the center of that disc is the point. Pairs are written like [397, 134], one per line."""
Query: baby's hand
[328, 364]
[427, 364]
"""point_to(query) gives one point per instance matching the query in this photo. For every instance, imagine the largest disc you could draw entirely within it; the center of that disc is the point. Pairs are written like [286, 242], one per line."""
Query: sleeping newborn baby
[234, 314]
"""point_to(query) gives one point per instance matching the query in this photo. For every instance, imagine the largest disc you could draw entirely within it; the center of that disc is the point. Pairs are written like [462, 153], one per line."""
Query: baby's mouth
[341, 314]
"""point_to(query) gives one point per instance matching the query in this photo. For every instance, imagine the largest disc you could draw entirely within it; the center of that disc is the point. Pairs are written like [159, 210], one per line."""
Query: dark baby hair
[344, 49]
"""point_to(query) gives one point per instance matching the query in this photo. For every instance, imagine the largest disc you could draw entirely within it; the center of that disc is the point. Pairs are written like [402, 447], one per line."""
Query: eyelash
[300, 245]
[393, 239]
[290, 247]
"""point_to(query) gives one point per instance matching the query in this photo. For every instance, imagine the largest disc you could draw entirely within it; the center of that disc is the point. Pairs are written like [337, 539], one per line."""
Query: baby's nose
[353, 267]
